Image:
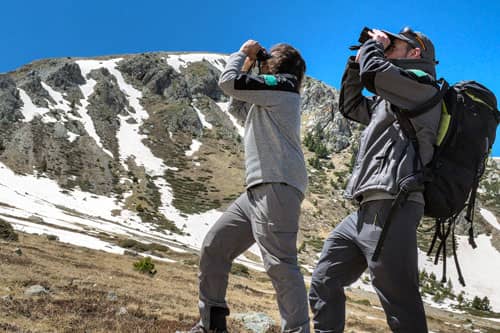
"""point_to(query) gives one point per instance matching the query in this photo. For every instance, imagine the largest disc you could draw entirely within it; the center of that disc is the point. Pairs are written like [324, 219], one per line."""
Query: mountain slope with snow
[147, 147]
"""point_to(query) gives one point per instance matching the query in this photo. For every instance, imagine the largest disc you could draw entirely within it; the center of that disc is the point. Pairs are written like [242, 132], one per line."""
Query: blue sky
[466, 33]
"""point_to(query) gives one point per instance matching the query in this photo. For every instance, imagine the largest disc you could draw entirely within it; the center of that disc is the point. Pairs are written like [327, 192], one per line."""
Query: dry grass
[80, 282]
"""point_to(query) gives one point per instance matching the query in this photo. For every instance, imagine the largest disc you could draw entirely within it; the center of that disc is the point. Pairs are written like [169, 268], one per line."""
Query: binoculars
[363, 37]
[262, 55]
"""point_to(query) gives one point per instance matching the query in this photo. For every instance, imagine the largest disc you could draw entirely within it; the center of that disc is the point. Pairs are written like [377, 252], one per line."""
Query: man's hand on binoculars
[381, 37]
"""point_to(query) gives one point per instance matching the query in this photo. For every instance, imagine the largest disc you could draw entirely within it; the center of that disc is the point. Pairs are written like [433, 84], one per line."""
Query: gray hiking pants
[347, 253]
[267, 214]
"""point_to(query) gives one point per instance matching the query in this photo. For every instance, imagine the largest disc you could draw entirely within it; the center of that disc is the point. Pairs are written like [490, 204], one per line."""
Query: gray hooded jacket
[386, 154]
[272, 127]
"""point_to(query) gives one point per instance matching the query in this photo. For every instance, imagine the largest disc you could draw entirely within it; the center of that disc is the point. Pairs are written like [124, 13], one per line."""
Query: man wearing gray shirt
[267, 213]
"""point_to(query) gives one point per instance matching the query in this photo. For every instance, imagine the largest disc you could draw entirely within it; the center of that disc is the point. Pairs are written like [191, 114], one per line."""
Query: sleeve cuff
[352, 64]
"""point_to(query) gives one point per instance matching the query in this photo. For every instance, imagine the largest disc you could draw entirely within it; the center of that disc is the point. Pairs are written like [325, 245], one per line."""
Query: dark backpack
[466, 134]
[467, 131]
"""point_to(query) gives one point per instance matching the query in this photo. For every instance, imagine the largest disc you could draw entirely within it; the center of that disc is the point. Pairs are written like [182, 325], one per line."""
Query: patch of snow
[195, 226]
[30, 110]
[28, 198]
[202, 118]
[480, 267]
[129, 139]
[64, 236]
[447, 304]
[72, 136]
[86, 66]
[224, 106]
[178, 61]
[195, 146]
[490, 218]
[61, 103]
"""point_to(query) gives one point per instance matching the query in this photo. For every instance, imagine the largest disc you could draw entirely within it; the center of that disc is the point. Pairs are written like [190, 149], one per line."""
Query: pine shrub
[145, 266]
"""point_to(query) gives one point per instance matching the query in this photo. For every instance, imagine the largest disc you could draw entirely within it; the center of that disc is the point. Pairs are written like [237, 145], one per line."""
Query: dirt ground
[94, 291]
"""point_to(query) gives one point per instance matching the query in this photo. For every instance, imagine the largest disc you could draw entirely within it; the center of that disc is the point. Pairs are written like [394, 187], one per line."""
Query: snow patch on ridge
[179, 61]
[224, 106]
[30, 110]
[490, 218]
[480, 267]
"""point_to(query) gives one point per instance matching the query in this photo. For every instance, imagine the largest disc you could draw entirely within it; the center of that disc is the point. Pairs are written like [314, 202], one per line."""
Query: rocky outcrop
[106, 104]
[66, 79]
[202, 79]
[33, 87]
[10, 102]
[156, 76]
[320, 105]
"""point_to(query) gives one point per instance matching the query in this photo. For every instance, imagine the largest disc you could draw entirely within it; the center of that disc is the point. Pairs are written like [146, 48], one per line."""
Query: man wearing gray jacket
[267, 213]
[399, 69]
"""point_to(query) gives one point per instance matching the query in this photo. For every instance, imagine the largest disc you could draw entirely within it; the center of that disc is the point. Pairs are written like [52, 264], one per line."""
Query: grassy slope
[80, 279]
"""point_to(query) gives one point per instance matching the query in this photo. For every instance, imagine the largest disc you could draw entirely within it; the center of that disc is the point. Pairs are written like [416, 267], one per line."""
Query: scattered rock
[36, 290]
[7, 298]
[255, 322]
[130, 253]
[112, 297]
[18, 251]
[121, 311]
[35, 219]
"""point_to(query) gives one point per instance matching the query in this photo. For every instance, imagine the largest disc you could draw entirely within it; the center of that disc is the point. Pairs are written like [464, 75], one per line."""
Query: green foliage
[145, 266]
[52, 237]
[481, 304]
[314, 162]
[239, 269]
[313, 142]
[142, 247]
[352, 161]
[440, 291]
[363, 302]
[341, 179]
[315, 243]
[7, 232]
[431, 286]
[191, 196]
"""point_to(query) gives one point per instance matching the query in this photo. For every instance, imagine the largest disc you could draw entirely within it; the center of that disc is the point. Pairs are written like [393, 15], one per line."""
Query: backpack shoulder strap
[442, 86]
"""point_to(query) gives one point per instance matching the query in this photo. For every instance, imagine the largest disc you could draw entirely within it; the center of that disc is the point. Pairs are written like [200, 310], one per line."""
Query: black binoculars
[262, 55]
[363, 37]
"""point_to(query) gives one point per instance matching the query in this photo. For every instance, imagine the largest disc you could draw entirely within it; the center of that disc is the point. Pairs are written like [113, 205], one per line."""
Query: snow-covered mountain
[147, 147]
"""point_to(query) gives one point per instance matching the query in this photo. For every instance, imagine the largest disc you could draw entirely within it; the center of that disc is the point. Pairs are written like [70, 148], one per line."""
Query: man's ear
[415, 53]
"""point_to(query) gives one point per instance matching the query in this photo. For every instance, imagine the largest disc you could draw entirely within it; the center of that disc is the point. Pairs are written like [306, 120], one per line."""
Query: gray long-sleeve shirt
[272, 127]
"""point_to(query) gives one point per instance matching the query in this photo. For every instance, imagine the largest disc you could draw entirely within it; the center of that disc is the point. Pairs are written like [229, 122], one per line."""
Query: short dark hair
[287, 60]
